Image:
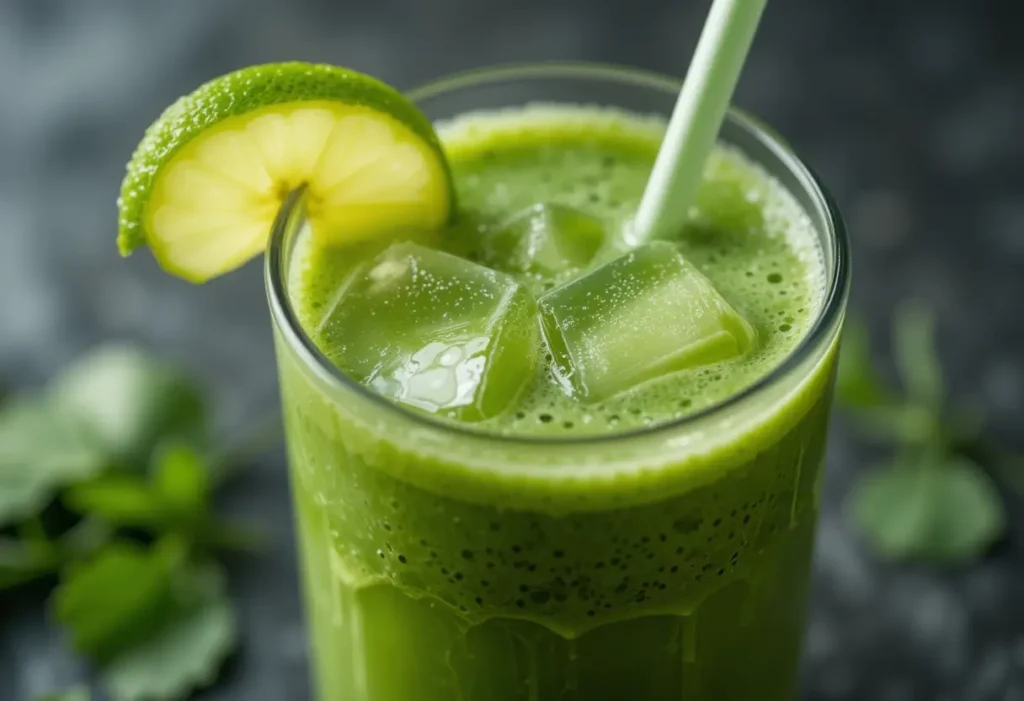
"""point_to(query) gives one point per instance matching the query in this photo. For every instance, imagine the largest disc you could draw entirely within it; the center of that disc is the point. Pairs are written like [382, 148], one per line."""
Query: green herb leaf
[175, 498]
[24, 561]
[916, 356]
[119, 598]
[79, 693]
[943, 512]
[858, 382]
[156, 621]
[118, 499]
[182, 657]
[182, 480]
[158, 625]
[33, 554]
[130, 401]
[41, 451]
[84, 540]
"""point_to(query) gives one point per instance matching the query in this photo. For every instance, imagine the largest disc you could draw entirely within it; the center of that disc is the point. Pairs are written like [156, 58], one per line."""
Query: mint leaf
[118, 598]
[943, 512]
[184, 656]
[130, 401]
[77, 694]
[118, 499]
[858, 382]
[182, 480]
[41, 451]
[916, 356]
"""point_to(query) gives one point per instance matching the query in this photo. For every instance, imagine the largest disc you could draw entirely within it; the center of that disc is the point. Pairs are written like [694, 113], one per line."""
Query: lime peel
[197, 234]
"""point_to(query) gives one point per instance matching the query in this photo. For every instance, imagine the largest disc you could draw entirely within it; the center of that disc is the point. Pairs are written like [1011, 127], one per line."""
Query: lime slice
[204, 186]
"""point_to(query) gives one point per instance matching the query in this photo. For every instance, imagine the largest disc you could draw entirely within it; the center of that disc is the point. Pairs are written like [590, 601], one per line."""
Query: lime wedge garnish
[204, 186]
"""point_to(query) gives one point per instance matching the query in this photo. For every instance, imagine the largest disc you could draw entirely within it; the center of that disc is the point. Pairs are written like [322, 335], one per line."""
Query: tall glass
[665, 564]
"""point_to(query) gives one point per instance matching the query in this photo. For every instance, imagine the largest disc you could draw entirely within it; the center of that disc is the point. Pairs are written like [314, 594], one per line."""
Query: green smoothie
[527, 514]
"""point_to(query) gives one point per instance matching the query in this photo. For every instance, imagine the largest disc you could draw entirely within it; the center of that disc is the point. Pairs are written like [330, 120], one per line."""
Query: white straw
[697, 117]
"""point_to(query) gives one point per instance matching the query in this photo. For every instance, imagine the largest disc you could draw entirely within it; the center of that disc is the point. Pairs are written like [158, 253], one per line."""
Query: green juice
[571, 503]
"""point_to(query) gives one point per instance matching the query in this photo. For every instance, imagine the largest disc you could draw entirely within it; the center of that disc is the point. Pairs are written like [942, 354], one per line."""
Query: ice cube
[545, 239]
[434, 331]
[641, 316]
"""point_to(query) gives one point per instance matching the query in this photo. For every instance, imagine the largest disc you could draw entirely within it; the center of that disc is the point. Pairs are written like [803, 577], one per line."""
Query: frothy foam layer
[746, 233]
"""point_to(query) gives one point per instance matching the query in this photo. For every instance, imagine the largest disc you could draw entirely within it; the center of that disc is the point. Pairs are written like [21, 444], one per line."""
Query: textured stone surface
[910, 112]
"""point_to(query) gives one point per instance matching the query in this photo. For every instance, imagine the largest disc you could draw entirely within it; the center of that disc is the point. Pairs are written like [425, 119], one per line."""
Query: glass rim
[830, 313]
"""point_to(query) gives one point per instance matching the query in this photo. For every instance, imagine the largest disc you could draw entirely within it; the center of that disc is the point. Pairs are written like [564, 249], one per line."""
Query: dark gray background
[910, 110]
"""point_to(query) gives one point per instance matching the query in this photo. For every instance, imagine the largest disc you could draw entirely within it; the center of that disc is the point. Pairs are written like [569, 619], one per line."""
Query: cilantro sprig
[935, 501]
[106, 483]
